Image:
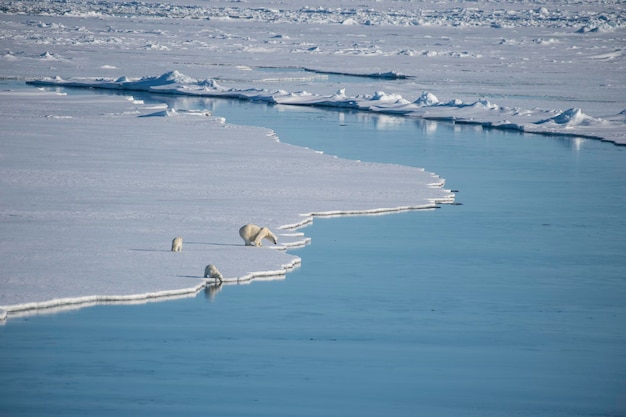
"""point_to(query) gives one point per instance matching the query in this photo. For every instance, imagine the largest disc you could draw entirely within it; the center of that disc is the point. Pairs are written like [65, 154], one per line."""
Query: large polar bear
[253, 235]
[177, 244]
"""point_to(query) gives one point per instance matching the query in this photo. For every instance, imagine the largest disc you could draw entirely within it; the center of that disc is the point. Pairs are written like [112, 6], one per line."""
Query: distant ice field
[549, 66]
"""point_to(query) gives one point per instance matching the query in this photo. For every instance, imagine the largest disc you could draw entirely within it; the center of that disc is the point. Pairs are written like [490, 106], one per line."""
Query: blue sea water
[513, 303]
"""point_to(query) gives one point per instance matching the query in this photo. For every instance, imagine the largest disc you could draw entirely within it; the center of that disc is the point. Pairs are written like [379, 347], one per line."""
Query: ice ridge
[572, 122]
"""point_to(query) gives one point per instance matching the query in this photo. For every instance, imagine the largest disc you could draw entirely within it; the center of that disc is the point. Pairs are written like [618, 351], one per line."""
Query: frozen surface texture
[93, 194]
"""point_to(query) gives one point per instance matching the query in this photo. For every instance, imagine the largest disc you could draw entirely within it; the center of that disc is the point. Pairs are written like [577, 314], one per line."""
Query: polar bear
[211, 272]
[253, 235]
[177, 244]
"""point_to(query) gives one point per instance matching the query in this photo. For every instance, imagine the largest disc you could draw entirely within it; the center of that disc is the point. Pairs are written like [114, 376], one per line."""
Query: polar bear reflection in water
[252, 235]
[211, 290]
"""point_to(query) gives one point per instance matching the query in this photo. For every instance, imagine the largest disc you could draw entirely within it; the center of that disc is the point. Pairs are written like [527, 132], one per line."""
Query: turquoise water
[512, 303]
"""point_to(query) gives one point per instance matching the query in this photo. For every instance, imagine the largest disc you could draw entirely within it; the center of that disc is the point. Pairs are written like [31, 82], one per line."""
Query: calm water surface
[513, 303]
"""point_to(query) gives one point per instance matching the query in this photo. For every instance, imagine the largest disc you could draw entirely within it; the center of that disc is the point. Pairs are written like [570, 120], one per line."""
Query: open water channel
[513, 303]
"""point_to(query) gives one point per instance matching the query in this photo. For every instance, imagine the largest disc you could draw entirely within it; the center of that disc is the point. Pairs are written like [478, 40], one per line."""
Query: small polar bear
[211, 272]
[177, 244]
[253, 235]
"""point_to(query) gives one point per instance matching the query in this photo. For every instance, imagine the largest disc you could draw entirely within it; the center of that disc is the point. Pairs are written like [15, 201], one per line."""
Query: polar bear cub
[211, 272]
[253, 235]
[177, 244]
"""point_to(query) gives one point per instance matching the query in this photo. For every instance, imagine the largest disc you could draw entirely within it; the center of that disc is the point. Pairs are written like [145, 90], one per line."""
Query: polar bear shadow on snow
[252, 235]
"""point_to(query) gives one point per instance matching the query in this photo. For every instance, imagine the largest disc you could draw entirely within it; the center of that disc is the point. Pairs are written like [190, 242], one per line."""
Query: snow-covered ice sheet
[93, 194]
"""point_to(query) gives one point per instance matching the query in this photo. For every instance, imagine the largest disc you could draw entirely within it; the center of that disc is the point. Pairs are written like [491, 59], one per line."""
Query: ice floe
[571, 122]
[96, 197]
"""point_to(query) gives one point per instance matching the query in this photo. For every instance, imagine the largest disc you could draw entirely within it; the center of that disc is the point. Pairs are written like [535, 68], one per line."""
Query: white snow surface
[91, 194]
